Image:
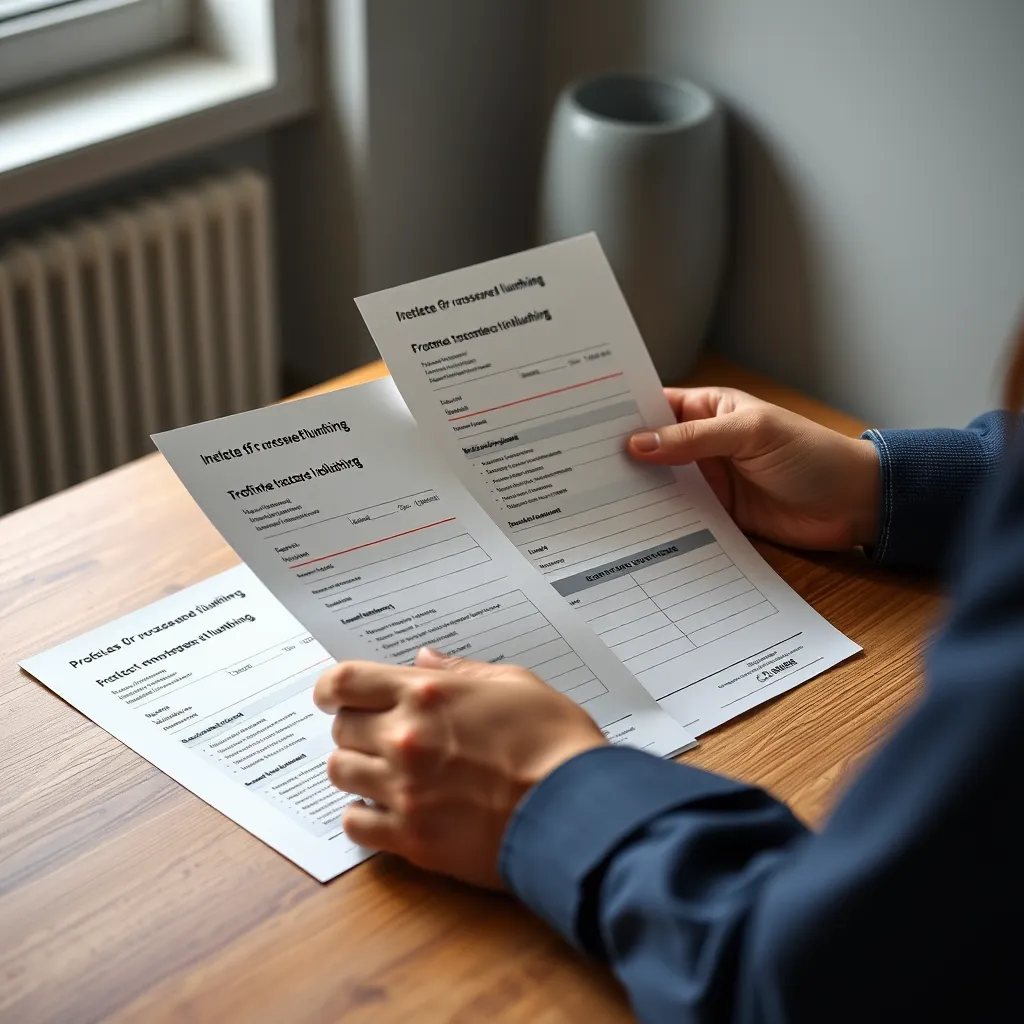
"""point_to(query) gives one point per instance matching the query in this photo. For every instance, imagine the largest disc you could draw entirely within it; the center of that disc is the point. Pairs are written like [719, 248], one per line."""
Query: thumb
[718, 436]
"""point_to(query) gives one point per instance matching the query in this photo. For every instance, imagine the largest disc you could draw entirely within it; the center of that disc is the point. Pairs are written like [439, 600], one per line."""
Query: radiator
[143, 318]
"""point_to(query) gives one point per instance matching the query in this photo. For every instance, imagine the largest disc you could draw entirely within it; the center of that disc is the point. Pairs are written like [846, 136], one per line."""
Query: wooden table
[124, 896]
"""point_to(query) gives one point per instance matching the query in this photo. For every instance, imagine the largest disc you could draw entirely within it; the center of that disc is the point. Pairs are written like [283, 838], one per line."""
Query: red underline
[519, 401]
[370, 543]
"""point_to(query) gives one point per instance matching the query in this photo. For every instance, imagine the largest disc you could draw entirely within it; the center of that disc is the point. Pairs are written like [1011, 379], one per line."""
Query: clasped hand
[444, 749]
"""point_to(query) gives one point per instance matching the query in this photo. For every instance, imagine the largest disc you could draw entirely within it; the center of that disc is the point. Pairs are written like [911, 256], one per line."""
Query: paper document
[528, 374]
[213, 685]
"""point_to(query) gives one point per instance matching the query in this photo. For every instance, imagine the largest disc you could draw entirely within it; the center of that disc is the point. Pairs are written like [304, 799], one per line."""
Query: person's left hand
[445, 750]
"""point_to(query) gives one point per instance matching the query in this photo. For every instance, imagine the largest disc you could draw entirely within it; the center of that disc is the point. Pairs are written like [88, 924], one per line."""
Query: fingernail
[430, 654]
[646, 443]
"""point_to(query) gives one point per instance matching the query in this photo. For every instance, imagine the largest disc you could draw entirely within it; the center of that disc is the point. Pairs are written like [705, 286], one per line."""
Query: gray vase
[641, 160]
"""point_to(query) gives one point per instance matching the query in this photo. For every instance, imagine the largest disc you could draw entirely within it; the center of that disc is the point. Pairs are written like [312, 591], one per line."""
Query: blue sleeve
[712, 904]
[929, 478]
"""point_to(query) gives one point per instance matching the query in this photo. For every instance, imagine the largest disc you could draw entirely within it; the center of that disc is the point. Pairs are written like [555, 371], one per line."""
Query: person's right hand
[780, 476]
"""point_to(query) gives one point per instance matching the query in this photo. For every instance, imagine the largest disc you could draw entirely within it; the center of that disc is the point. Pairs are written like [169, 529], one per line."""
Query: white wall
[455, 107]
[319, 165]
[421, 157]
[879, 182]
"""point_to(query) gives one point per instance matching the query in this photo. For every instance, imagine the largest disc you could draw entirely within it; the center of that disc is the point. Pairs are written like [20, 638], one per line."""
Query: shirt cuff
[926, 476]
[569, 824]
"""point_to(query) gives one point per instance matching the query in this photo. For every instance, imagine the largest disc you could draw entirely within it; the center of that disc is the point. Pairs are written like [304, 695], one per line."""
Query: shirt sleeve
[929, 478]
[713, 904]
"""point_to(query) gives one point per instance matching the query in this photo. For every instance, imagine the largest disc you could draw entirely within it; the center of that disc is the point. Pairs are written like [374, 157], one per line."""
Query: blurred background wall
[878, 148]
[421, 156]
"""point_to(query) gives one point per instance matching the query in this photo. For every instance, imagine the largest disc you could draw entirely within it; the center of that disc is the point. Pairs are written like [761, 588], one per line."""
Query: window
[47, 41]
[94, 89]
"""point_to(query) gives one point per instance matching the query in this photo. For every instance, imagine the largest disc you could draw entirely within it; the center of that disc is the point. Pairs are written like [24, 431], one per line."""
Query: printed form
[528, 373]
[372, 546]
[213, 686]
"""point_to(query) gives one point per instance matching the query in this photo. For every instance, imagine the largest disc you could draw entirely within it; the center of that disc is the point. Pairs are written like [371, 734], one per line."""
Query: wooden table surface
[124, 896]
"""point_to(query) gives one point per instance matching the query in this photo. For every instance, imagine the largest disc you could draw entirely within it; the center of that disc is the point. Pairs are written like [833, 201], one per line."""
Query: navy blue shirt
[712, 903]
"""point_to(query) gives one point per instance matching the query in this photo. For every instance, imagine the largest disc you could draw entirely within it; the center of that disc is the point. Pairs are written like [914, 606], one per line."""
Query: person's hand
[780, 476]
[445, 750]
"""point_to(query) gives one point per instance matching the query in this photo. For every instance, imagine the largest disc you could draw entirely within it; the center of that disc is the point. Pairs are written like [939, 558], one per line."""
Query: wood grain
[123, 896]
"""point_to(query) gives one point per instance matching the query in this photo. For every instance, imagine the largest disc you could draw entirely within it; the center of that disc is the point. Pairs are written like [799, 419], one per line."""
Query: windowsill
[79, 134]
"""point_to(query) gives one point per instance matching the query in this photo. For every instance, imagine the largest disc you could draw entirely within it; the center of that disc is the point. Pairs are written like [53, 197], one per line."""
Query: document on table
[213, 686]
[528, 373]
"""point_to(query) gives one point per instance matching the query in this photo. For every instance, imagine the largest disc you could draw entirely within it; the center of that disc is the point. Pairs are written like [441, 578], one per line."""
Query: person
[708, 899]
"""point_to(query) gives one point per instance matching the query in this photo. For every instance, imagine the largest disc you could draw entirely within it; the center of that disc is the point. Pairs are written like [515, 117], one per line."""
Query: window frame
[47, 44]
[247, 66]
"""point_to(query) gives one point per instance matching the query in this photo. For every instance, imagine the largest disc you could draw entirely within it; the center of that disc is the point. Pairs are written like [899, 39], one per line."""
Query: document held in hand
[372, 545]
[528, 374]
